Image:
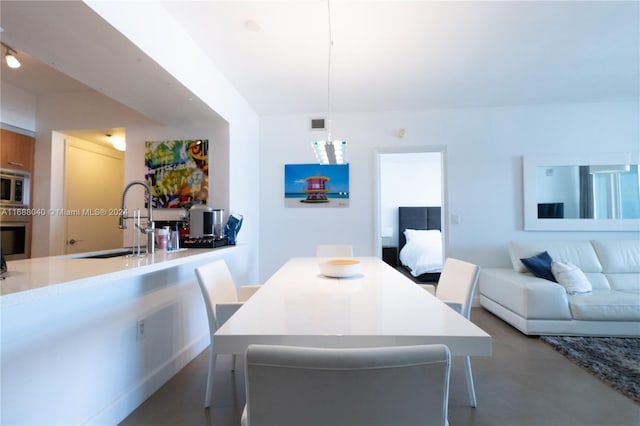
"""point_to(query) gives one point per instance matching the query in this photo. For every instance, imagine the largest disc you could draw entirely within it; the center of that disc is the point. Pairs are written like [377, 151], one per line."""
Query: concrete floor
[525, 382]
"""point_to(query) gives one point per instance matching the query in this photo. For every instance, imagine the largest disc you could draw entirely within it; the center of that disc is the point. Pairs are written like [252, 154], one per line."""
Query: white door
[94, 180]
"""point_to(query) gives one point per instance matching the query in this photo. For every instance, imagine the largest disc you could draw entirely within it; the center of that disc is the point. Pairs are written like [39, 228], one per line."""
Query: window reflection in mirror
[581, 192]
[588, 192]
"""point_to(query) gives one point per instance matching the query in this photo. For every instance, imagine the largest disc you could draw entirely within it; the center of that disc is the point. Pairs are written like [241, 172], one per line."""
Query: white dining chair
[334, 250]
[221, 301]
[455, 287]
[402, 385]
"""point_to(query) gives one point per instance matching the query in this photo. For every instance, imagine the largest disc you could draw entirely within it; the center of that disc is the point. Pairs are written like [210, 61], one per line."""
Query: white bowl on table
[340, 268]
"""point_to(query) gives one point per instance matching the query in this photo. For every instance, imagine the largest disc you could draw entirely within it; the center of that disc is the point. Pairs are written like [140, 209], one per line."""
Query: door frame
[377, 222]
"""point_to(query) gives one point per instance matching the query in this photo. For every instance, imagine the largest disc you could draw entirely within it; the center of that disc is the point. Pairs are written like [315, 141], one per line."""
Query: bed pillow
[571, 277]
[423, 251]
[540, 265]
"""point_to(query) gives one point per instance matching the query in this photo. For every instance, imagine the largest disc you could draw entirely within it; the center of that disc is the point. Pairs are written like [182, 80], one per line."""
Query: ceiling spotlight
[118, 142]
[10, 57]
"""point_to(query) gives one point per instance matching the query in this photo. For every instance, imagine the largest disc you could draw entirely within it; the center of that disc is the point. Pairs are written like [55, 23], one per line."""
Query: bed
[420, 242]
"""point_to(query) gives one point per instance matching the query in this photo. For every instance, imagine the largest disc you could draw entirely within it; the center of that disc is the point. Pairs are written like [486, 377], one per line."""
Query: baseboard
[132, 399]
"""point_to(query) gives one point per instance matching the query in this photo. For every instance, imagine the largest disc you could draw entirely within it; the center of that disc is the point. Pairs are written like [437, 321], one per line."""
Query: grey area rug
[613, 359]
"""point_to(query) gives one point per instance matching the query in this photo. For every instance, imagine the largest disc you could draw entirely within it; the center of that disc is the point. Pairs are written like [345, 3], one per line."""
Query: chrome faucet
[150, 230]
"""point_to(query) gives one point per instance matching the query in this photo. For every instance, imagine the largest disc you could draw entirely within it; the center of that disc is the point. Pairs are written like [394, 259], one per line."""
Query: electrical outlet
[140, 334]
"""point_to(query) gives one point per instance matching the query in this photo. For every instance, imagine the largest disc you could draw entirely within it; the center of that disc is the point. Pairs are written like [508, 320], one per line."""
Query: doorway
[94, 178]
[411, 176]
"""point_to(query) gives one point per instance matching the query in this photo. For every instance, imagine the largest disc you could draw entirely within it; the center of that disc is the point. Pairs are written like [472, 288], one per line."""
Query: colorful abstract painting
[177, 172]
[316, 185]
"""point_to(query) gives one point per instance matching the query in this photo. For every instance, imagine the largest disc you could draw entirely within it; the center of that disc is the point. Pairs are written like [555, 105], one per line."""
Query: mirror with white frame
[582, 192]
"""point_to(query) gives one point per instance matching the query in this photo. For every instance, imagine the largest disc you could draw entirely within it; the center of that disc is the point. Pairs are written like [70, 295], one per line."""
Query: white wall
[18, 107]
[484, 160]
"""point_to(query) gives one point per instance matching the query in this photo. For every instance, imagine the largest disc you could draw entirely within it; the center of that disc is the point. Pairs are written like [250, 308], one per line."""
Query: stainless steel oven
[14, 188]
[15, 236]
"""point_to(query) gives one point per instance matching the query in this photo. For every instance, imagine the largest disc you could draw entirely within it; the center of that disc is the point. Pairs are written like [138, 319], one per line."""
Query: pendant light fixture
[330, 151]
[10, 57]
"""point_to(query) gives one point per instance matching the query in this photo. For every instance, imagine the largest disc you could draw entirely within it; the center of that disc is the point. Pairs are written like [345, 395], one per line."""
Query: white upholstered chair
[221, 301]
[455, 287]
[334, 250]
[403, 385]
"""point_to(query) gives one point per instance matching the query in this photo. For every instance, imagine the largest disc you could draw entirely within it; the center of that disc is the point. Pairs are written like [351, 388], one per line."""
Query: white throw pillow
[570, 277]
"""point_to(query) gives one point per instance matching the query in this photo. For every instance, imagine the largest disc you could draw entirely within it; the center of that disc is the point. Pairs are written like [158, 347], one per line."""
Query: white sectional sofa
[538, 306]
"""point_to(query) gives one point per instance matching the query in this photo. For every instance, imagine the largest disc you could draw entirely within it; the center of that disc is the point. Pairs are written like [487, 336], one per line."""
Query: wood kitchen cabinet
[16, 150]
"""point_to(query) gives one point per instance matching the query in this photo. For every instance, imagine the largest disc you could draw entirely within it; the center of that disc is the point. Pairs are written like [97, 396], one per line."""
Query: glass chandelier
[330, 151]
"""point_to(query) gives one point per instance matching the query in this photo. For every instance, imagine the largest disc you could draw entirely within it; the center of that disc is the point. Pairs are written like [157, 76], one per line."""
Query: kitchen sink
[118, 253]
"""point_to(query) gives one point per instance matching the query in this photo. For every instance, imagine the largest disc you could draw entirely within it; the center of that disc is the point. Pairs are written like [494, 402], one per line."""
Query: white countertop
[34, 278]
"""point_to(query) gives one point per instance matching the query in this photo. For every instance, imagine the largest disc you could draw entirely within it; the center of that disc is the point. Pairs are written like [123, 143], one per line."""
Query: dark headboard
[417, 218]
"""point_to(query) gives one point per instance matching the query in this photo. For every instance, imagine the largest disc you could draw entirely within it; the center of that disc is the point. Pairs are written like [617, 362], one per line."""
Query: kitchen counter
[31, 279]
[124, 325]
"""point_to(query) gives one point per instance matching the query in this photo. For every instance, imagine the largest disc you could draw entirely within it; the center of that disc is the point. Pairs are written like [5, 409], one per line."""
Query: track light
[10, 57]
[12, 61]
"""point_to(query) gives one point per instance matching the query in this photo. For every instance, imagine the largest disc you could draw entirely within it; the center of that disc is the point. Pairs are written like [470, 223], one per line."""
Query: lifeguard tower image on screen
[316, 185]
[316, 190]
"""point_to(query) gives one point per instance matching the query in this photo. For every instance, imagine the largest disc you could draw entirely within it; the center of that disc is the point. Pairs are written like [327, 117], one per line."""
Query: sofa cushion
[598, 281]
[618, 256]
[579, 252]
[570, 277]
[624, 282]
[605, 306]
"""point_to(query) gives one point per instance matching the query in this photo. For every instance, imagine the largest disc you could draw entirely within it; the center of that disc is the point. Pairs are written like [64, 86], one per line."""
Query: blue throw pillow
[540, 266]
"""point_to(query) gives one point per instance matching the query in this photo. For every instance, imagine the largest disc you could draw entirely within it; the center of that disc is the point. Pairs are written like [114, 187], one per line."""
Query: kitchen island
[87, 340]
[31, 279]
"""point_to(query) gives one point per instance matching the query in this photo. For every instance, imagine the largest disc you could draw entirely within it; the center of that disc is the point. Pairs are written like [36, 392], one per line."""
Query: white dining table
[379, 306]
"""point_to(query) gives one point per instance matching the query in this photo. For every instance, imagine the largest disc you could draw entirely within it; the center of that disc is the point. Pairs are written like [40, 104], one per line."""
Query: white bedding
[423, 251]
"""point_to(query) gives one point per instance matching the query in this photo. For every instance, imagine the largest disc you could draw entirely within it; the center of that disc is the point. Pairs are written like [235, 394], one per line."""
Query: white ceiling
[387, 55]
[392, 55]
[38, 78]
